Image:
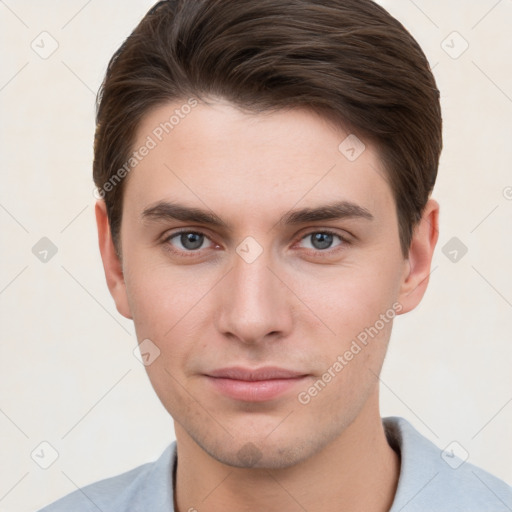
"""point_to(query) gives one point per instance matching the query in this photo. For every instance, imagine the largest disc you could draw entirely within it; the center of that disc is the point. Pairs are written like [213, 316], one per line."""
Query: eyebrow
[165, 211]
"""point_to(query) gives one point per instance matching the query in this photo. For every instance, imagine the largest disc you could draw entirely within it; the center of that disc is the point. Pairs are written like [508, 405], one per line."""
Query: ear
[416, 275]
[111, 262]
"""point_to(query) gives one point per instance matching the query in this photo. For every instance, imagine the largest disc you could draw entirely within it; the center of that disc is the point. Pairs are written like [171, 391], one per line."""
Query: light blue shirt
[430, 481]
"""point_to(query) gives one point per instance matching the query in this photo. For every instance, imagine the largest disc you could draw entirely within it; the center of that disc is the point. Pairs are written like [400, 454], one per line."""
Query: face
[265, 269]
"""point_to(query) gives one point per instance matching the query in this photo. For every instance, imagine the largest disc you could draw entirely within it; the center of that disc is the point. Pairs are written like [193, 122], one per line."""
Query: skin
[296, 306]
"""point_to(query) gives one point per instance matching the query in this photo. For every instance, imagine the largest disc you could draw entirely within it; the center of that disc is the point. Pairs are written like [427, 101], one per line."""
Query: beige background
[69, 376]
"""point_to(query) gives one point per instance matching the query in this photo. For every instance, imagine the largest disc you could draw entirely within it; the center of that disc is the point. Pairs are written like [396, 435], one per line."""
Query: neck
[357, 471]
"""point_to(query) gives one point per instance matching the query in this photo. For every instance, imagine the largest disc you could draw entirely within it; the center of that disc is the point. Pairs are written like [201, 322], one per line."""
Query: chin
[262, 452]
[252, 455]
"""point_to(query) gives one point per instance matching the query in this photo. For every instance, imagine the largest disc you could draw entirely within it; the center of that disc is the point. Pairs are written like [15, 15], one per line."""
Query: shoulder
[432, 478]
[146, 487]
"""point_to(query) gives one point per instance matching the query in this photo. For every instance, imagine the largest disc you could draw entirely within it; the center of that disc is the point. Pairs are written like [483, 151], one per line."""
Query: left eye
[321, 240]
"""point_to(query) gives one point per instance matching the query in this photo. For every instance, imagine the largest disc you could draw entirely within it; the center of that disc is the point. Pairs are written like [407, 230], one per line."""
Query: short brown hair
[348, 60]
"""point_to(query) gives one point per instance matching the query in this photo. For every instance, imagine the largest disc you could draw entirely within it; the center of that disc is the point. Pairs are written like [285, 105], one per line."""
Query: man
[264, 172]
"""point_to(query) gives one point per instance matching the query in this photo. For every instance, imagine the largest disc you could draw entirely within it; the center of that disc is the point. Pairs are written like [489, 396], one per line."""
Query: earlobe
[421, 251]
[111, 262]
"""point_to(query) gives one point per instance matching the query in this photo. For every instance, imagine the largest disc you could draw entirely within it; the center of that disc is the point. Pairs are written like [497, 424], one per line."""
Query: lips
[255, 385]
[266, 373]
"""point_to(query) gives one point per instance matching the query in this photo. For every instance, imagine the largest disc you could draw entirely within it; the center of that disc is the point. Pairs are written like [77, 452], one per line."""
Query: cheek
[161, 297]
[350, 299]
[357, 305]
[169, 308]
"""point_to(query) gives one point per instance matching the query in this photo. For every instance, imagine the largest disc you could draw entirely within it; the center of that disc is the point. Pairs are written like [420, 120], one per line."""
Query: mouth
[255, 385]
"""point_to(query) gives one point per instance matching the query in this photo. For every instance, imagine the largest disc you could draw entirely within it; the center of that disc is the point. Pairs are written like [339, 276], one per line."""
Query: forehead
[251, 164]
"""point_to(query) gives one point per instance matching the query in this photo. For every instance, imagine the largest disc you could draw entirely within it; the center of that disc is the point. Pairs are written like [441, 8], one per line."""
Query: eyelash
[315, 252]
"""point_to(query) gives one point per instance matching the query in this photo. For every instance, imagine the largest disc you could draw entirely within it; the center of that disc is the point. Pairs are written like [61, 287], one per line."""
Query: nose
[254, 302]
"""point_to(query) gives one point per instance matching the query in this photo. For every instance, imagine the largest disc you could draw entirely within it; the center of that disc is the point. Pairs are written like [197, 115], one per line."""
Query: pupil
[322, 240]
[191, 240]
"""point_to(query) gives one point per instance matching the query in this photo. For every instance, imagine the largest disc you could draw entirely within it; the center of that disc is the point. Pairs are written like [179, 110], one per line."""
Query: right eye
[186, 241]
